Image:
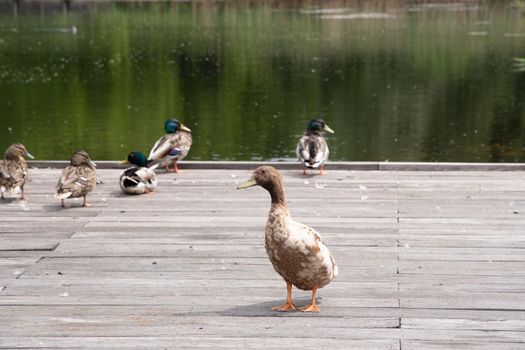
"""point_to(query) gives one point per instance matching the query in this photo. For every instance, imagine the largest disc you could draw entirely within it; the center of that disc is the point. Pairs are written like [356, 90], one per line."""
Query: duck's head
[171, 126]
[17, 151]
[82, 157]
[264, 176]
[318, 125]
[268, 178]
[138, 158]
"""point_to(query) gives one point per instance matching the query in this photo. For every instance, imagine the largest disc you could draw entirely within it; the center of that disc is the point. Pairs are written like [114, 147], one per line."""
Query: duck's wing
[312, 150]
[146, 174]
[67, 182]
[76, 181]
[14, 173]
[313, 262]
[162, 147]
[4, 175]
[129, 178]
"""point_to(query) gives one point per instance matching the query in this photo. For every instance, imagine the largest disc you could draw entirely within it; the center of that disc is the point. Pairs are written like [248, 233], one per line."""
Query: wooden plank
[201, 341]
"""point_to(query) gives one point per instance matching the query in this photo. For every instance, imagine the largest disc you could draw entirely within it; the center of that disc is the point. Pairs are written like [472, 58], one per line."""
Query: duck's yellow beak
[327, 129]
[125, 161]
[184, 128]
[249, 183]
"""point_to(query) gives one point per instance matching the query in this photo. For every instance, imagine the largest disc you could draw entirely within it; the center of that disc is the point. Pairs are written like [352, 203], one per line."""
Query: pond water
[396, 80]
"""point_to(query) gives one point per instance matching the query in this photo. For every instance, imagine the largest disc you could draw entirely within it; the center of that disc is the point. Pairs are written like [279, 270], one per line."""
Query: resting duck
[296, 250]
[78, 179]
[138, 179]
[312, 149]
[13, 169]
[175, 145]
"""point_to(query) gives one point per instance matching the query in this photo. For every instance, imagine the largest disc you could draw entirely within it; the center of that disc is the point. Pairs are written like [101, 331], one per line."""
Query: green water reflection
[398, 81]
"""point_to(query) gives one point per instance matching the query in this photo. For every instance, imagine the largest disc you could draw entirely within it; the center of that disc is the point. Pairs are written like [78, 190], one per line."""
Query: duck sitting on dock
[312, 150]
[78, 179]
[295, 250]
[13, 169]
[174, 145]
[138, 179]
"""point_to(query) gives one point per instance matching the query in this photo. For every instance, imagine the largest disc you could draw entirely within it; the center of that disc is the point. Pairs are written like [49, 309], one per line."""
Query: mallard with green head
[174, 145]
[296, 250]
[138, 179]
[13, 169]
[312, 150]
[78, 179]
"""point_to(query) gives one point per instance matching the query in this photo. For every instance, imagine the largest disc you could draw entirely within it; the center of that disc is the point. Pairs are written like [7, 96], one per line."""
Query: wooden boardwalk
[428, 260]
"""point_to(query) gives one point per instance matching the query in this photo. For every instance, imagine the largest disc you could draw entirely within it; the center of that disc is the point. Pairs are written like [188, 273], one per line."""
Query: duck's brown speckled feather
[297, 252]
[79, 180]
[13, 173]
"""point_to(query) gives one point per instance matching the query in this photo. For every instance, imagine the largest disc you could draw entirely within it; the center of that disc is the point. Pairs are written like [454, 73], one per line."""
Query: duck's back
[79, 180]
[13, 173]
[312, 150]
[297, 253]
[138, 180]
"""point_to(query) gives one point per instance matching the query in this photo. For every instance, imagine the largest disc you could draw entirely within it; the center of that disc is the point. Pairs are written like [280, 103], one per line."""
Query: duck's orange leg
[288, 306]
[312, 307]
[322, 168]
[175, 166]
[86, 203]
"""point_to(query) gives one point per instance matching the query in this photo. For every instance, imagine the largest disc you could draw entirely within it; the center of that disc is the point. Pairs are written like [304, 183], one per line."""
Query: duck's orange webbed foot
[286, 307]
[310, 308]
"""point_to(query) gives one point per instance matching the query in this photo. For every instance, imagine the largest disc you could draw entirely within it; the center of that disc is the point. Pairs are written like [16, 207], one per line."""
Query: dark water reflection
[396, 80]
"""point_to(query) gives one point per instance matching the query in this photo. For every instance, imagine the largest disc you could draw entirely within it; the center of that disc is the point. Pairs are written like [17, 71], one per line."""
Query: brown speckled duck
[78, 179]
[296, 250]
[13, 169]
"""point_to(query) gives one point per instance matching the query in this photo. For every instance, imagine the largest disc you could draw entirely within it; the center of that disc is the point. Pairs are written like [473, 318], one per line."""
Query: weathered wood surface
[428, 260]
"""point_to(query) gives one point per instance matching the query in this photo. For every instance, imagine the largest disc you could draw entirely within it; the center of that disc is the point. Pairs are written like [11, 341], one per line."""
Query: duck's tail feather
[335, 269]
[63, 195]
[153, 166]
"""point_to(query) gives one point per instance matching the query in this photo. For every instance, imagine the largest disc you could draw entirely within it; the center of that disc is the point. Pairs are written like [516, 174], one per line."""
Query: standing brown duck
[296, 250]
[78, 179]
[13, 169]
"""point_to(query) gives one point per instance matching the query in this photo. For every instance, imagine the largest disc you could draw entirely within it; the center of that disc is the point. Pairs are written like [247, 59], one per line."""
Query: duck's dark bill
[249, 183]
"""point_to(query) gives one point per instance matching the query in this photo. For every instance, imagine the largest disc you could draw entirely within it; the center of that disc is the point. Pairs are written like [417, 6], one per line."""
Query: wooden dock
[428, 260]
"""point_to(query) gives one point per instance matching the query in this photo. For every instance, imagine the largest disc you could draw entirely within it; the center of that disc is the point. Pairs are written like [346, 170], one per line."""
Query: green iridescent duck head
[318, 125]
[138, 158]
[171, 126]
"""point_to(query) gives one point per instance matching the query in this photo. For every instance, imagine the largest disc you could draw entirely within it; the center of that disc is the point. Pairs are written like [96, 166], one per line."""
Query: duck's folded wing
[161, 148]
[3, 173]
[164, 146]
[145, 174]
[69, 179]
[303, 149]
